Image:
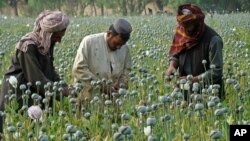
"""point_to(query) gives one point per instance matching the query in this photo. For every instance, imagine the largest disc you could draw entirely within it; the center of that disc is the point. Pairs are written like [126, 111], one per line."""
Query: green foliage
[149, 45]
[109, 3]
[245, 5]
[36, 6]
[2, 3]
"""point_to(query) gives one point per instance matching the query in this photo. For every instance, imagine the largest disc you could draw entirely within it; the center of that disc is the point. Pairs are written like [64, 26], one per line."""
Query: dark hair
[125, 36]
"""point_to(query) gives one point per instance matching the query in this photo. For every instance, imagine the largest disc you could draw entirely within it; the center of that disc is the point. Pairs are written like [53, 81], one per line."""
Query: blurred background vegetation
[31, 8]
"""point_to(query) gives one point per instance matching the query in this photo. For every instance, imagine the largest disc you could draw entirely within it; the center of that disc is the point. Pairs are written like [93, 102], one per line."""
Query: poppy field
[152, 108]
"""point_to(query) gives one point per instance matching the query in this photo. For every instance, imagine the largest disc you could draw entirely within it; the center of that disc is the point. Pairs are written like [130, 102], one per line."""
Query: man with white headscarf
[33, 59]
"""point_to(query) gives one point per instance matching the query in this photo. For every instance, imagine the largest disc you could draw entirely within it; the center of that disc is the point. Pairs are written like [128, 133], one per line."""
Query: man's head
[52, 24]
[118, 34]
[49, 28]
[191, 18]
[57, 36]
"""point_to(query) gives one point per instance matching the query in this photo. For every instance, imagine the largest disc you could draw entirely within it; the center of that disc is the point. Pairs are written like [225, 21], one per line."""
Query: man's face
[190, 28]
[114, 41]
[57, 36]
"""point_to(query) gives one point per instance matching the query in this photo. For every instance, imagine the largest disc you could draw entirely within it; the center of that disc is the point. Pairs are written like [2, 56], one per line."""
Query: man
[196, 48]
[33, 58]
[104, 56]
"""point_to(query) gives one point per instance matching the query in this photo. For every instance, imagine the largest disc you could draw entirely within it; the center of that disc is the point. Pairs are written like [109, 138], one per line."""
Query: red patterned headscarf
[187, 14]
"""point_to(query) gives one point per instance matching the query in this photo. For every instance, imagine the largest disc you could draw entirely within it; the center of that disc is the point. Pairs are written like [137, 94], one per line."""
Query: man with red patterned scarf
[196, 49]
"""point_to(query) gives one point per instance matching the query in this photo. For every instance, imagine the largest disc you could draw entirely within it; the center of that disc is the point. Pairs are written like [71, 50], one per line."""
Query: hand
[109, 89]
[115, 89]
[194, 79]
[67, 90]
[170, 71]
[182, 77]
[105, 89]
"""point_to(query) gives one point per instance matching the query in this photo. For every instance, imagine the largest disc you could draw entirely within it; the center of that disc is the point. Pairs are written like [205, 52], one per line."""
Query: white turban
[46, 24]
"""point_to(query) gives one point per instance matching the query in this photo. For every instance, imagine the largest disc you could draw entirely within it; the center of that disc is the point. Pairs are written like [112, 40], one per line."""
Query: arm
[31, 67]
[127, 68]
[55, 75]
[173, 65]
[81, 70]
[216, 59]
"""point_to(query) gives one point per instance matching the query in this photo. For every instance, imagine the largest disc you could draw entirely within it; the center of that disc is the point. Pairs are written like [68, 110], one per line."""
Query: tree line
[118, 7]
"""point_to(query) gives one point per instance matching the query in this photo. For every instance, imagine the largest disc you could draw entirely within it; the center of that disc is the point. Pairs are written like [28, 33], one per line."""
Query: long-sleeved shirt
[30, 66]
[94, 60]
[214, 57]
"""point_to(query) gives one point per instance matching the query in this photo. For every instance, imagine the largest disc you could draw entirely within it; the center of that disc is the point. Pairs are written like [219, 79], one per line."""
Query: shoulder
[27, 48]
[125, 48]
[216, 42]
[210, 31]
[32, 48]
[93, 37]
[90, 40]
[211, 36]
[216, 38]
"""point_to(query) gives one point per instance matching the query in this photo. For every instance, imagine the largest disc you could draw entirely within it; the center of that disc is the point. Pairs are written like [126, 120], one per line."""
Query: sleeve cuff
[173, 58]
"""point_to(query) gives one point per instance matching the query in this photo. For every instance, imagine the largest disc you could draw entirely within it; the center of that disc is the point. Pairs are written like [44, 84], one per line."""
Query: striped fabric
[181, 40]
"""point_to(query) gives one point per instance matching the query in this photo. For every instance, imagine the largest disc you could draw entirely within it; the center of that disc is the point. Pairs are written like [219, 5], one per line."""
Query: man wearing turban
[196, 49]
[33, 58]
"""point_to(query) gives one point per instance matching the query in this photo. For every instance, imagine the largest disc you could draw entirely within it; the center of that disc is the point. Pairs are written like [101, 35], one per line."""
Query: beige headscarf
[46, 23]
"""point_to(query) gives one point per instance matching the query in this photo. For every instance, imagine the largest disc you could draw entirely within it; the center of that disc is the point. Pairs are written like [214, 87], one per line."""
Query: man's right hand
[172, 68]
[170, 71]
[108, 89]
